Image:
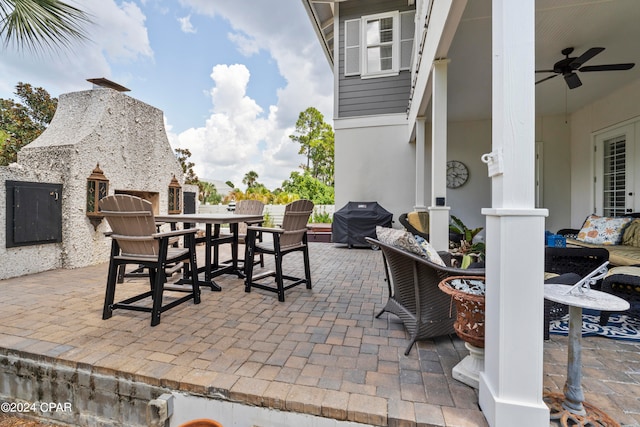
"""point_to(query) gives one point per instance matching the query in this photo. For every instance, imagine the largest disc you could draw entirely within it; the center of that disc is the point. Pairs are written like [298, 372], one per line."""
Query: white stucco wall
[467, 142]
[375, 162]
[126, 137]
[554, 133]
[21, 260]
[618, 107]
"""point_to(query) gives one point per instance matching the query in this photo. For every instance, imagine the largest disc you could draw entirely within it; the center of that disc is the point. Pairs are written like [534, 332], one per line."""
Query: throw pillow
[399, 238]
[407, 242]
[601, 230]
[388, 235]
[631, 236]
[429, 251]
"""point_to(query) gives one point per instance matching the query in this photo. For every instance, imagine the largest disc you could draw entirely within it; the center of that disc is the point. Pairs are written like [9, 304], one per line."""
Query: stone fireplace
[104, 127]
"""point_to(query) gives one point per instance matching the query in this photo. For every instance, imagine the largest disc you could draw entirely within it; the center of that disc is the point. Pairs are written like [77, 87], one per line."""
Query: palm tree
[250, 179]
[41, 24]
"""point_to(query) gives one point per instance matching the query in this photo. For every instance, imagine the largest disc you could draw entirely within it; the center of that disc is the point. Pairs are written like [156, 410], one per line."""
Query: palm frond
[41, 24]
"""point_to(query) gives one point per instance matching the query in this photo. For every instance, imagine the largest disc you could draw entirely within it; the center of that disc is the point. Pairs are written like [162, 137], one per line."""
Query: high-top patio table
[212, 239]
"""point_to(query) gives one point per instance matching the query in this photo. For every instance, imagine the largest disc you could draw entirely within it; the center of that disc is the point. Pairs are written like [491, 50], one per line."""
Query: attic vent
[102, 82]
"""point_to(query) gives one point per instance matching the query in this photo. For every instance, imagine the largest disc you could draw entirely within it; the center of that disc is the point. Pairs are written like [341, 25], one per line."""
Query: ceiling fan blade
[576, 63]
[573, 81]
[545, 71]
[608, 67]
[546, 78]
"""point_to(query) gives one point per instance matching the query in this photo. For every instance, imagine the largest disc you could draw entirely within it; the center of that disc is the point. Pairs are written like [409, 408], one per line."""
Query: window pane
[386, 30]
[373, 32]
[373, 59]
[380, 31]
[379, 58]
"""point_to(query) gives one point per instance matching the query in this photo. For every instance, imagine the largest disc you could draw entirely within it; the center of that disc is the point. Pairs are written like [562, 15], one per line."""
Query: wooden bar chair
[135, 240]
[291, 237]
[243, 207]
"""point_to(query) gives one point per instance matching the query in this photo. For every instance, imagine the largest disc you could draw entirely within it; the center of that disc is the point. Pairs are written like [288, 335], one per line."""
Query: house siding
[373, 96]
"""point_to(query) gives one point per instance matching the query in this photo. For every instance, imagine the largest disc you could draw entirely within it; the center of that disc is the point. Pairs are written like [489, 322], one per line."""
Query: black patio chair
[136, 241]
[414, 296]
[291, 237]
[404, 220]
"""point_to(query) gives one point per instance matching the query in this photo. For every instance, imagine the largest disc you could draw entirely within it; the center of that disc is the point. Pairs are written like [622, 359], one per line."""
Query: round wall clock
[457, 174]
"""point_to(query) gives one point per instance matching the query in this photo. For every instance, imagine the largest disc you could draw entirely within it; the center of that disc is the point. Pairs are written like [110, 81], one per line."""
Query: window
[379, 45]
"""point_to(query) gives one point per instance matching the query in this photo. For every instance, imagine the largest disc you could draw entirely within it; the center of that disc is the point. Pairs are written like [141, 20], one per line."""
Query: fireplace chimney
[102, 82]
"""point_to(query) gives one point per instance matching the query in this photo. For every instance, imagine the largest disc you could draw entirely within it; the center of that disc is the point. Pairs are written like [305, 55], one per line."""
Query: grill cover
[357, 220]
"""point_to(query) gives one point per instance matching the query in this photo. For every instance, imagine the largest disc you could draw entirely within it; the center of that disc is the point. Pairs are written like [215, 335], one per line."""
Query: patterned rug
[620, 327]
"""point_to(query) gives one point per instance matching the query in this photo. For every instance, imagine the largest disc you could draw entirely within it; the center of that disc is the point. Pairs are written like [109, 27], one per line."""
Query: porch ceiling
[581, 24]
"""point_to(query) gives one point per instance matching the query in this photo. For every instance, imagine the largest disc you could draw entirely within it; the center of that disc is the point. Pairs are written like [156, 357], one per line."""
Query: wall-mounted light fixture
[175, 196]
[97, 188]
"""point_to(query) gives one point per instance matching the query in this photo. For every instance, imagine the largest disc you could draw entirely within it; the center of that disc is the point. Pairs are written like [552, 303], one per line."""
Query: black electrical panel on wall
[189, 200]
[34, 213]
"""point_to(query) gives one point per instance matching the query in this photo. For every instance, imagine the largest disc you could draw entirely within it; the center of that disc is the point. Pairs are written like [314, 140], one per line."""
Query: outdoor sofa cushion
[625, 252]
[631, 236]
[618, 254]
[602, 230]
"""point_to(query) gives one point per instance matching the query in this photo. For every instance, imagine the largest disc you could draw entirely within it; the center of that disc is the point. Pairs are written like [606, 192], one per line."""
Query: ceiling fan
[569, 65]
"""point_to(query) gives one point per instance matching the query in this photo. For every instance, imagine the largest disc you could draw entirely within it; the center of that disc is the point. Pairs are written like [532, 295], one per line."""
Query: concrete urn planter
[467, 292]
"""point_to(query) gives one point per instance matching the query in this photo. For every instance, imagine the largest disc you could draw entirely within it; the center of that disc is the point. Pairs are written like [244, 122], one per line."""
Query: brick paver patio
[321, 352]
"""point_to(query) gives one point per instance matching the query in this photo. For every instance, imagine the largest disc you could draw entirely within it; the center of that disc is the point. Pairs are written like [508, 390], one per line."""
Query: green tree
[22, 122]
[250, 179]
[316, 139]
[208, 193]
[183, 155]
[308, 187]
[41, 24]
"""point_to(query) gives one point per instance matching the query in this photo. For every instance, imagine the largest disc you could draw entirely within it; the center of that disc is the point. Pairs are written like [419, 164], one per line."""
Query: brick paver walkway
[320, 352]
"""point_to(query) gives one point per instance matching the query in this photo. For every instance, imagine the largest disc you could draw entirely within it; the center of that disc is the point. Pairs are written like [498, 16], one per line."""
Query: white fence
[276, 212]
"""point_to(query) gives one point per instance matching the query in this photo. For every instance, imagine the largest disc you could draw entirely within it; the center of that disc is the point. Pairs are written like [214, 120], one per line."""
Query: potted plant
[462, 244]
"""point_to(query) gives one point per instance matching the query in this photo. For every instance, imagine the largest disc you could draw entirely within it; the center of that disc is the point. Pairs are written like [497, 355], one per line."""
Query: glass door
[614, 180]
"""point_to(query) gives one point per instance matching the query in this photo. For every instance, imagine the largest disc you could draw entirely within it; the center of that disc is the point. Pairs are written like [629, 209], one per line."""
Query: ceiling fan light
[573, 81]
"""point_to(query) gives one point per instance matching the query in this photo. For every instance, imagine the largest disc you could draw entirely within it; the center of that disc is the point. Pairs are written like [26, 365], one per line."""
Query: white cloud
[246, 45]
[118, 34]
[243, 139]
[229, 144]
[185, 25]
[288, 36]
[237, 135]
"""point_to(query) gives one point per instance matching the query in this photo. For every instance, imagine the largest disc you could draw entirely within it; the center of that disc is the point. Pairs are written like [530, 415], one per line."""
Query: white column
[511, 384]
[420, 165]
[438, 210]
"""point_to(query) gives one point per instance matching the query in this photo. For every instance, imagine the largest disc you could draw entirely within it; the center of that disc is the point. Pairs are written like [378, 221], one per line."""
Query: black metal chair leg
[194, 267]
[279, 279]
[109, 297]
[157, 297]
[248, 258]
[307, 267]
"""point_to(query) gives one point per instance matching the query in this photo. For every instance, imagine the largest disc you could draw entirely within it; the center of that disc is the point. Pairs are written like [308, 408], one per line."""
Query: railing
[276, 212]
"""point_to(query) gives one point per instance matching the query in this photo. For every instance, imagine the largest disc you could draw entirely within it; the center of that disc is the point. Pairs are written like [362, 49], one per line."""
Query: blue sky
[231, 76]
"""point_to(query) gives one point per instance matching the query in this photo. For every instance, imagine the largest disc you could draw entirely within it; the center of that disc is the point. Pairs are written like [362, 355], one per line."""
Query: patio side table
[571, 409]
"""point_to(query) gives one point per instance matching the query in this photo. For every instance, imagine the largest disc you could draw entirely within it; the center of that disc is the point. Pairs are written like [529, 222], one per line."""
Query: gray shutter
[407, 28]
[352, 47]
